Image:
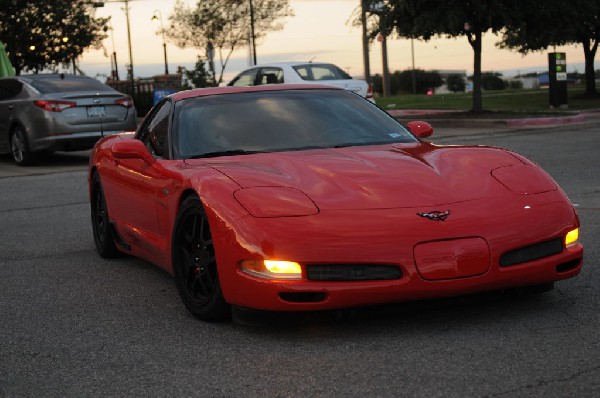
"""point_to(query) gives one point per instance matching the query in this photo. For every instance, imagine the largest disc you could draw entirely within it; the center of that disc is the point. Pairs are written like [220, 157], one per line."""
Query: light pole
[114, 69]
[131, 75]
[158, 17]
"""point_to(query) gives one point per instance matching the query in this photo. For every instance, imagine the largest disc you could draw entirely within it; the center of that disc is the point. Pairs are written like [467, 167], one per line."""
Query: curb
[408, 115]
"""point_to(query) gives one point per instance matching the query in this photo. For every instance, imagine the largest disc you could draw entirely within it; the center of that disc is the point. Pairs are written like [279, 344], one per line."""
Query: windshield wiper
[215, 154]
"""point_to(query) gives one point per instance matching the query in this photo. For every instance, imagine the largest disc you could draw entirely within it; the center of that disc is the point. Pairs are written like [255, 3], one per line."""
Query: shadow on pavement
[45, 164]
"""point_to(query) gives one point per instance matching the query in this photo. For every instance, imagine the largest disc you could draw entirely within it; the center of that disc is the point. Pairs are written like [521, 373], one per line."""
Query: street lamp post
[131, 75]
[158, 17]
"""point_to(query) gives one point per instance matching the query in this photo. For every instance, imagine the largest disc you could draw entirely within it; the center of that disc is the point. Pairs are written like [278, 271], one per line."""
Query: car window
[270, 75]
[245, 79]
[321, 72]
[303, 71]
[68, 83]
[156, 131]
[10, 88]
[279, 121]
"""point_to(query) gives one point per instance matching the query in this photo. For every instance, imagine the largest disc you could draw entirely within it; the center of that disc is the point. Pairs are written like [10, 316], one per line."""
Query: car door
[138, 185]
[9, 90]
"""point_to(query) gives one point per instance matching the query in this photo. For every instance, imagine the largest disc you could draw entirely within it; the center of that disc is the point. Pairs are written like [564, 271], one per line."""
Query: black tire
[195, 265]
[19, 147]
[103, 234]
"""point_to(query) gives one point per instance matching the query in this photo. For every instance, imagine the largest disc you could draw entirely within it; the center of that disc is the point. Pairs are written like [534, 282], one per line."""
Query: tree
[223, 25]
[45, 34]
[537, 25]
[424, 19]
[492, 81]
[425, 80]
[456, 83]
[402, 81]
[199, 77]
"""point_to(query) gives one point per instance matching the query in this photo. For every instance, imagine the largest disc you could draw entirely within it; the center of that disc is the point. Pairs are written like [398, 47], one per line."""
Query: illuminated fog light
[283, 267]
[572, 238]
[272, 269]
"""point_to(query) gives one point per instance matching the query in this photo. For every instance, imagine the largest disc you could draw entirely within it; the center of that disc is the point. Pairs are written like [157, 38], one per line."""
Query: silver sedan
[59, 112]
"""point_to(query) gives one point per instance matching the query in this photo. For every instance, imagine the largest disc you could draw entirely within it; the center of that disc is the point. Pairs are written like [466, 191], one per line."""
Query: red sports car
[294, 198]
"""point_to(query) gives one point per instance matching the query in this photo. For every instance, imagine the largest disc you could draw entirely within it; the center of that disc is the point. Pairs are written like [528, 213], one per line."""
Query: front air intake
[352, 272]
[532, 252]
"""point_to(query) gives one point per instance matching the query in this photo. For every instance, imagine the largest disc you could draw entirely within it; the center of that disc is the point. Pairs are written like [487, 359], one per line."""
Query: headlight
[270, 202]
[272, 269]
[572, 238]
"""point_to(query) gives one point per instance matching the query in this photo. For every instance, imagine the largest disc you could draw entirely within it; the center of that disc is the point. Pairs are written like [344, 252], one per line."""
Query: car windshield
[270, 121]
[54, 84]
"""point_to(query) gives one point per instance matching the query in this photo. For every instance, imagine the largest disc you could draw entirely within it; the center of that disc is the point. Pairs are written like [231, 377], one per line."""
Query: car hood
[375, 177]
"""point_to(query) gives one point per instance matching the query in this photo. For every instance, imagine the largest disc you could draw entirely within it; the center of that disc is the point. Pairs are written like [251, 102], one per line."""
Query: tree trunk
[590, 74]
[476, 44]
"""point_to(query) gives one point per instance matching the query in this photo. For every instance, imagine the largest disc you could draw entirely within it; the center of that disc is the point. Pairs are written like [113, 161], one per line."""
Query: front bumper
[390, 237]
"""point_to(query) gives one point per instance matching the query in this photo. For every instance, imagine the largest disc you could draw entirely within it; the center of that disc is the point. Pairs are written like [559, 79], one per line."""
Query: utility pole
[365, 40]
[414, 73]
[252, 34]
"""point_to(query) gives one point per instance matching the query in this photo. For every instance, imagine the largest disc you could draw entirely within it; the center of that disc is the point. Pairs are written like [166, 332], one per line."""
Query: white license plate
[96, 111]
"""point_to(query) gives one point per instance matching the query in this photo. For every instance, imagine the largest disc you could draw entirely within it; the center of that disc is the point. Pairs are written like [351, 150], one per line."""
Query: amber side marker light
[272, 269]
[572, 238]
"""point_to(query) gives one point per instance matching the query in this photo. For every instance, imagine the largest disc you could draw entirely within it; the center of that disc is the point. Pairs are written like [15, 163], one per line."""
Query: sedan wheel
[19, 147]
[195, 265]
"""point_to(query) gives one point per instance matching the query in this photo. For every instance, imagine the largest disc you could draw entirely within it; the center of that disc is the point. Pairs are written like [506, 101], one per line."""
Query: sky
[319, 30]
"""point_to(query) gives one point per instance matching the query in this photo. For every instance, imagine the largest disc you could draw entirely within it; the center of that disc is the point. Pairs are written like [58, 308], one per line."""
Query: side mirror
[132, 149]
[420, 129]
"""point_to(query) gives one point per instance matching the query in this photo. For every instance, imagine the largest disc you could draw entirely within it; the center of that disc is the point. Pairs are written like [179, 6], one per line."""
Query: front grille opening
[568, 266]
[532, 252]
[352, 272]
[302, 297]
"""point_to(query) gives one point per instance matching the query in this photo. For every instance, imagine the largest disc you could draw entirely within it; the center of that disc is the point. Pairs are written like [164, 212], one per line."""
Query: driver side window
[245, 79]
[156, 138]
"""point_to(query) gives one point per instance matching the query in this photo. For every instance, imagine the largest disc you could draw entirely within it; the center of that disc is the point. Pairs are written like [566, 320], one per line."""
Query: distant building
[527, 83]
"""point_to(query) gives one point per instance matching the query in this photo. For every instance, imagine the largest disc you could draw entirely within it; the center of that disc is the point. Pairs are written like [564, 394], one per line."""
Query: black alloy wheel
[195, 264]
[103, 236]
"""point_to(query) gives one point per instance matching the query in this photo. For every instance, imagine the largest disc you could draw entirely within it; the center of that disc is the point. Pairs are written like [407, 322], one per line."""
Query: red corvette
[310, 197]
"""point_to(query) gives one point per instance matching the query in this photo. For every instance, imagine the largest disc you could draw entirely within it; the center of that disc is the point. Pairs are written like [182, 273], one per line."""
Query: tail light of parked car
[370, 91]
[54, 106]
[126, 102]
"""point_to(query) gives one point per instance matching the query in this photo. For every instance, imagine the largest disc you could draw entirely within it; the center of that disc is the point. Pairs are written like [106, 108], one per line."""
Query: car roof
[49, 76]
[201, 92]
[289, 63]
